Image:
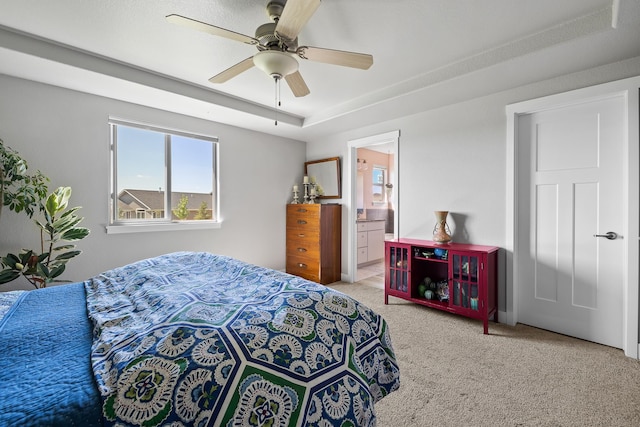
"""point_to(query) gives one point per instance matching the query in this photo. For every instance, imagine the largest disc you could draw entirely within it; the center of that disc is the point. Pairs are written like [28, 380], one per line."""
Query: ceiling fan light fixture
[277, 43]
[275, 63]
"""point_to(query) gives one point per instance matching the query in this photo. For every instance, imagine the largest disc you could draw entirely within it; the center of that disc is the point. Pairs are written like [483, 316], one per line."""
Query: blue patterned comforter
[201, 339]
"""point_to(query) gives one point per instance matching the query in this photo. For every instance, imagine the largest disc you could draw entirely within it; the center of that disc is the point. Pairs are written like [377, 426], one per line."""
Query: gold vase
[441, 232]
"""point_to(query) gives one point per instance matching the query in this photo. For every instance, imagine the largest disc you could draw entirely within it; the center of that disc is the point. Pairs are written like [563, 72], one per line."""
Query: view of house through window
[162, 176]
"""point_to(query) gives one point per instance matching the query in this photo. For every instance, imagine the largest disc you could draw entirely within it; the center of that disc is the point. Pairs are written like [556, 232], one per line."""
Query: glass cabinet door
[465, 274]
[398, 268]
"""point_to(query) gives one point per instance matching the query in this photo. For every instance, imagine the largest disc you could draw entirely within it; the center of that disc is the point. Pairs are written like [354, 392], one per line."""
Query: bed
[192, 339]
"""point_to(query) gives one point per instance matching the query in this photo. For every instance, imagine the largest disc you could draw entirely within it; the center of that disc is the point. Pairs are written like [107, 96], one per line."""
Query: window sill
[156, 227]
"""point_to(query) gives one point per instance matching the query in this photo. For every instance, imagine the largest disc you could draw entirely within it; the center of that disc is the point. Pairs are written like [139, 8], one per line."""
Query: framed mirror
[327, 174]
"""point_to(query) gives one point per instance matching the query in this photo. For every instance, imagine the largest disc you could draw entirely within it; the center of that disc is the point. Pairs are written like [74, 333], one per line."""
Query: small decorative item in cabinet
[431, 253]
[442, 290]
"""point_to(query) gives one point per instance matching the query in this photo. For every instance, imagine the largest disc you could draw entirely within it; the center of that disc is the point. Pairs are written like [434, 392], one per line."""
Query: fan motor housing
[266, 35]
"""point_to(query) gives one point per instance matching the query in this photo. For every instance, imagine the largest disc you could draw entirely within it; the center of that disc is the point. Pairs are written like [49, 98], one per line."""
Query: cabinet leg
[486, 326]
[386, 299]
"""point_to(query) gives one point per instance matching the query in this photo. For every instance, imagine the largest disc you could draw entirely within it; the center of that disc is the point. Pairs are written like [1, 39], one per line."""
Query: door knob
[610, 235]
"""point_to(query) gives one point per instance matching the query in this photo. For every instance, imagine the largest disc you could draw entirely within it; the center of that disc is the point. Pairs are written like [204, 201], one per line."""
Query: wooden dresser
[314, 241]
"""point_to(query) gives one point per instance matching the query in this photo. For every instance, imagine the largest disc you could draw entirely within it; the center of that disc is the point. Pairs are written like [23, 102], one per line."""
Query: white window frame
[117, 226]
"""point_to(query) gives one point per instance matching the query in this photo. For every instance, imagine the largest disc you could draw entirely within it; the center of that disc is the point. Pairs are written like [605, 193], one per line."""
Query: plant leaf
[67, 255]
[62, 197]
[58, 270]
[43, 270]
[24, 257]
[75, 234]
[71, 211]
[63, 248]
[8, 275]
[64, 223]
[10, 260]
[51, 205]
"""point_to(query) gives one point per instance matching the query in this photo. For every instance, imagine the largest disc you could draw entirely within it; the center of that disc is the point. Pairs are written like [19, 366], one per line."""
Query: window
[162, 177]
[378, 179]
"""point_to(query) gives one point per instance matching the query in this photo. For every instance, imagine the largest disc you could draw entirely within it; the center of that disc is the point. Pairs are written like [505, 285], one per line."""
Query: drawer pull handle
[302, 221]
[302, 210]
[301, 265]
[302, 250]
[300, 235]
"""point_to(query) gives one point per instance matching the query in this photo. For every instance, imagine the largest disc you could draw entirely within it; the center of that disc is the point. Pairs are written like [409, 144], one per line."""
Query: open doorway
[374, 201]
[375, 213]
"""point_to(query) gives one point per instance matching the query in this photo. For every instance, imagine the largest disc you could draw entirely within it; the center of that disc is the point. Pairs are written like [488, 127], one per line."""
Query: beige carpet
[454, 375]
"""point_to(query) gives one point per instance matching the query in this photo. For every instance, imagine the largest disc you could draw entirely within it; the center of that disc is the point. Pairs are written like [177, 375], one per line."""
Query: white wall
[65, 134]
[454, 158]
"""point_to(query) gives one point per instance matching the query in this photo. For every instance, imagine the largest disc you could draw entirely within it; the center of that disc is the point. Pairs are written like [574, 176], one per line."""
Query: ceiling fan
[277, 44]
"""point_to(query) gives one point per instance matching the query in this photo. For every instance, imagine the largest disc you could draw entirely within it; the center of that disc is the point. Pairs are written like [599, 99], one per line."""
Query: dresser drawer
[308, 234]
[301, 215]
[303, 250]
[302, 224]
[307, 268]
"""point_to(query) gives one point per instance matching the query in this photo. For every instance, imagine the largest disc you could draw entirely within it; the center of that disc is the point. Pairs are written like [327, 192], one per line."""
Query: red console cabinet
[454, 277]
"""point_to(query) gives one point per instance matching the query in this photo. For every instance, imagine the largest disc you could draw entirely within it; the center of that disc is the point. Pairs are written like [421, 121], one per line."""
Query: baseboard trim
[502, 317]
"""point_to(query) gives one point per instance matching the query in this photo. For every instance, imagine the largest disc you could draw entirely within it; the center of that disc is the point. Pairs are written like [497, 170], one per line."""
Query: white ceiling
[427, 53]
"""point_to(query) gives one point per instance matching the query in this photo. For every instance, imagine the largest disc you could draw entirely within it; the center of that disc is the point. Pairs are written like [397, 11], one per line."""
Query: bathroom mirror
[327, 174]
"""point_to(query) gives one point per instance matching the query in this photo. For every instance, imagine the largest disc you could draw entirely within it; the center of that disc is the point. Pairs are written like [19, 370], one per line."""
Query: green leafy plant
[181, 211]
[59, 227]
[202, 211]
[19, 190]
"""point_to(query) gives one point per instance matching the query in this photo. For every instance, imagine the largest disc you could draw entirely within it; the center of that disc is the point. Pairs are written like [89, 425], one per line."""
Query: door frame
[392, 137]
[628, 89]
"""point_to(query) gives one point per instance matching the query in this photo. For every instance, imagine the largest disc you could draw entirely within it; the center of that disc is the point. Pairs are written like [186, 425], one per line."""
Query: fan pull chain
[277, 79]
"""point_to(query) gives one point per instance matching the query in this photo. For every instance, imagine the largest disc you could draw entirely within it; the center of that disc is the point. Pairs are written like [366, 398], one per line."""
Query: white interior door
[570, 171]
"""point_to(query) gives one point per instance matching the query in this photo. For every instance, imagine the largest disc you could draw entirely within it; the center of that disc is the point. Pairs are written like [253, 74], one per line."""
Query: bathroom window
[379, 178]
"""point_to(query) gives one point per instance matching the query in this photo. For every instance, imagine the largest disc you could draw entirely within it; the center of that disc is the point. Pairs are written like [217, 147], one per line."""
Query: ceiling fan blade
[211, 29]
[295, 15]
[297, 85]
[231, 72]
[336, 57]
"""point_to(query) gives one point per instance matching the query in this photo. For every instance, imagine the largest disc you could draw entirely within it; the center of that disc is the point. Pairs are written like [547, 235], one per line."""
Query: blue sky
[141, 162]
